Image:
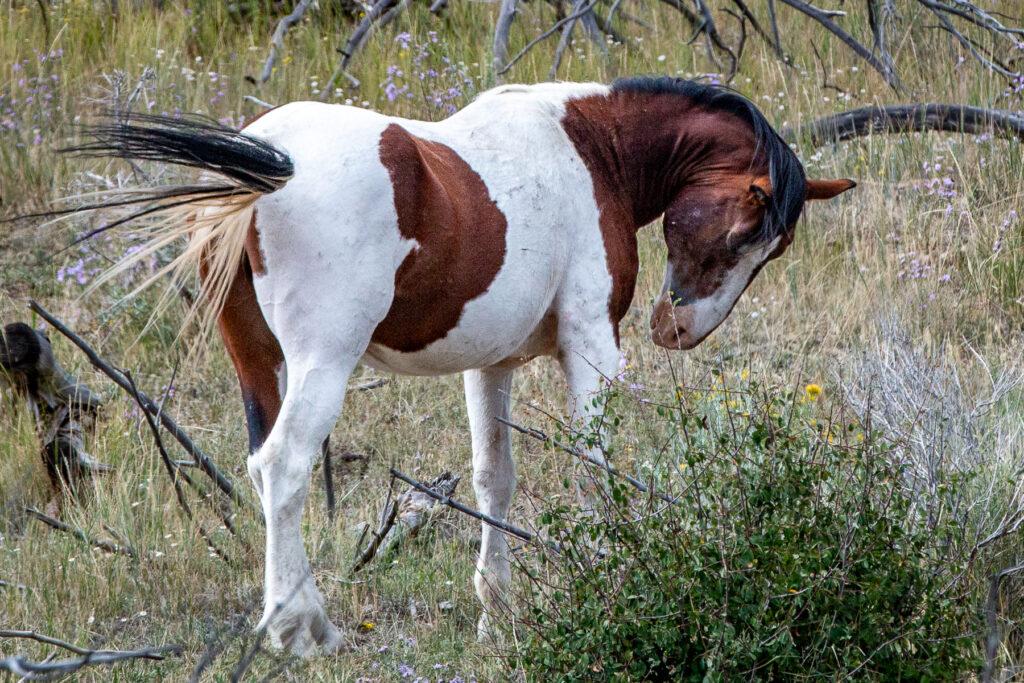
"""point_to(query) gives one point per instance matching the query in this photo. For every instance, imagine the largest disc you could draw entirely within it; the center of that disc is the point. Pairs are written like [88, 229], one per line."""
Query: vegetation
[902, 303]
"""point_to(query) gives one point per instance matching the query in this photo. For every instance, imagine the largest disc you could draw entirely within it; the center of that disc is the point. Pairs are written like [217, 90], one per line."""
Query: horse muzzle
[672, 326]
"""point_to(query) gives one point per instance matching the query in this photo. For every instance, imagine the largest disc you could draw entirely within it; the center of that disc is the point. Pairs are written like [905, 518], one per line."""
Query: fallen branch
[905, 118]
[498, 524]
[277, 40]
[501, 28]
[50, 670]
[355, 42]
[203, 460]
[587, 458]
[547, 34]
[106, 546]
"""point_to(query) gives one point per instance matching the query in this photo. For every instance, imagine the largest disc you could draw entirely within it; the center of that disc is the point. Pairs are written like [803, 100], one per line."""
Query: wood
[277, 40]
[64, 409]
[907, 118]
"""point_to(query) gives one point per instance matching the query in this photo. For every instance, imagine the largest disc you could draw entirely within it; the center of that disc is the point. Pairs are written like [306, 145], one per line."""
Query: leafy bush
[792, 552]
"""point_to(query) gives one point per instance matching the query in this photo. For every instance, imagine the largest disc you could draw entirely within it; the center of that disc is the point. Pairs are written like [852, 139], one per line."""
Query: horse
[328, 236]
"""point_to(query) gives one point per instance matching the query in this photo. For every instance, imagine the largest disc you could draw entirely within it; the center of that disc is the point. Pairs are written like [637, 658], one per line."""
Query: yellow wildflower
[813, 391]
[367, 626]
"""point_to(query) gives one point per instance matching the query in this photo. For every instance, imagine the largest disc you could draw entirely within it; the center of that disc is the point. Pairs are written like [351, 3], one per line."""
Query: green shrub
[792, 552]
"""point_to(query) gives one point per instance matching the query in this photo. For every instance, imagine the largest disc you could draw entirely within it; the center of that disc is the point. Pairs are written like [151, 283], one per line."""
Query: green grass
[806, 318]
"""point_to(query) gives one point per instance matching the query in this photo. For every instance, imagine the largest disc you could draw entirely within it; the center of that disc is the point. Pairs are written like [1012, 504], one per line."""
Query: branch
[172, 470]
[501, 28]
[498, 524]
[824, 18]
[203, 460]
[905, 118]
[355, 42]
[277, 40]
[51, 670]
[106, 546]
[547, 34]
[587, 458]
[992, 638]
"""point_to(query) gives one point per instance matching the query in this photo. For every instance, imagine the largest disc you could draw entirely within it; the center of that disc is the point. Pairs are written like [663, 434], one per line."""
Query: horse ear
[760, 191]
[827, 189]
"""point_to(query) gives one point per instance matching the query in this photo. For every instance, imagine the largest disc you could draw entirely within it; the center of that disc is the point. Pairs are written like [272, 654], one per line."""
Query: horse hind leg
[293, 612]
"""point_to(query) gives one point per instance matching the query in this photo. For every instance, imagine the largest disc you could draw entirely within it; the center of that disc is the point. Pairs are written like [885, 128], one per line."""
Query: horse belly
[503, 325]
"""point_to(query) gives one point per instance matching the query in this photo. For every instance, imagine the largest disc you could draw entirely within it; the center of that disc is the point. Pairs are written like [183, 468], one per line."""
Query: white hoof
[300, 625]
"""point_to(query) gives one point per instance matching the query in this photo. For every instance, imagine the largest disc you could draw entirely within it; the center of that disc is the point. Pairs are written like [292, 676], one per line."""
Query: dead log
[907, 118]
[63, 408]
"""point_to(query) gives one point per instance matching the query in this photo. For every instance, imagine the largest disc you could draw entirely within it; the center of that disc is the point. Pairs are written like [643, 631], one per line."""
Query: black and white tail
[213, 214]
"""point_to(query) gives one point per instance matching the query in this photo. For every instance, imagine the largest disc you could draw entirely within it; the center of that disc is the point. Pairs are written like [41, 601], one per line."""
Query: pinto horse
[330, 235]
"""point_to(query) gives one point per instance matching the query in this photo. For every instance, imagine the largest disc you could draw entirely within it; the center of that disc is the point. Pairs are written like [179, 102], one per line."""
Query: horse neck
[644, 148]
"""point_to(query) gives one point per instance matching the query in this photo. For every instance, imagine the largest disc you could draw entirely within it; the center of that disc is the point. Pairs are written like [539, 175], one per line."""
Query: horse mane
[789, 184]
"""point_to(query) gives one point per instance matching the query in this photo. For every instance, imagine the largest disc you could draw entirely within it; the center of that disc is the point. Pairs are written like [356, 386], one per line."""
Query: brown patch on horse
[250, 344]
[445, 206]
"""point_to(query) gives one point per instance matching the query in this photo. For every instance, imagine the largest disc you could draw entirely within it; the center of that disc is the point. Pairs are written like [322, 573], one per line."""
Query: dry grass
[883, 250]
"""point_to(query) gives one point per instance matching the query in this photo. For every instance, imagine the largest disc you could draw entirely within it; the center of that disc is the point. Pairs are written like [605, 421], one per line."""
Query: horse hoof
[302, 628]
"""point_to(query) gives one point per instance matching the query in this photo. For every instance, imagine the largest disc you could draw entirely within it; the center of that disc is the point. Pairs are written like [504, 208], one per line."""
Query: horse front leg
[589, 358]
[494, 481]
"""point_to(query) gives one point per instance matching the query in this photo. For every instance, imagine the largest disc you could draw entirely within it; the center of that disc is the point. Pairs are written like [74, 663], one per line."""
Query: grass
[905, 244]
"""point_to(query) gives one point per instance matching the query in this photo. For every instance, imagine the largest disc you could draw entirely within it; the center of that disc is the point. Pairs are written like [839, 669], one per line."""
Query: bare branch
[498, 524]
[51, 670]
[824, 18]
[203, 460]
[506, 16]
[277, 40]
[106, 546]
[586, 458]
[547, 34]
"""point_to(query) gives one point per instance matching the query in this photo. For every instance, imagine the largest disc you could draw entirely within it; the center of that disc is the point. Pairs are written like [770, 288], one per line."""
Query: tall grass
[931, 235]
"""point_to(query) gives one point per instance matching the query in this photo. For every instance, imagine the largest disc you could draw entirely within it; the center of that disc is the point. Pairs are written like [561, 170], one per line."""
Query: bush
[792, 552]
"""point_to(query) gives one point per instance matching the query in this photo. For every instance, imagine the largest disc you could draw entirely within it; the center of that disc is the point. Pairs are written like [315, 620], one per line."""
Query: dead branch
[580, 8]
[825, 19]
[498, 524]
[182, 437]
[172, 470]
[906, 118]
[772, 41]
[277, 40]
[993, 638]
[105, 546]
[355, 42]
[371, 384]
[51, 670]
[506, 16]
[547, 34]
[404, 518]
[714, 39]
[586, 458]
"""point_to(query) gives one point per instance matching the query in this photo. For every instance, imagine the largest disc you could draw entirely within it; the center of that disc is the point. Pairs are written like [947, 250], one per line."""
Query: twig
[257, 101]
[903, 118]
[81, 535]
[587, 458]
[371, 384]
[172, 471]
[388, 516]
[498, 524]
[277, 40]
[203, 460]
[355, 42]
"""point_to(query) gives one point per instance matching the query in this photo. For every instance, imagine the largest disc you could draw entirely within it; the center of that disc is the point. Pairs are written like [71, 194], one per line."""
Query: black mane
[789, 185]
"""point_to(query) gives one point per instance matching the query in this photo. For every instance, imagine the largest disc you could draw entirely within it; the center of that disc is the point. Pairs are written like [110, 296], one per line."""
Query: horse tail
[214, 214]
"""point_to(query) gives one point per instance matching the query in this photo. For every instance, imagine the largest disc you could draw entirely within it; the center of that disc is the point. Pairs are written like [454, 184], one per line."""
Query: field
[903, 299]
